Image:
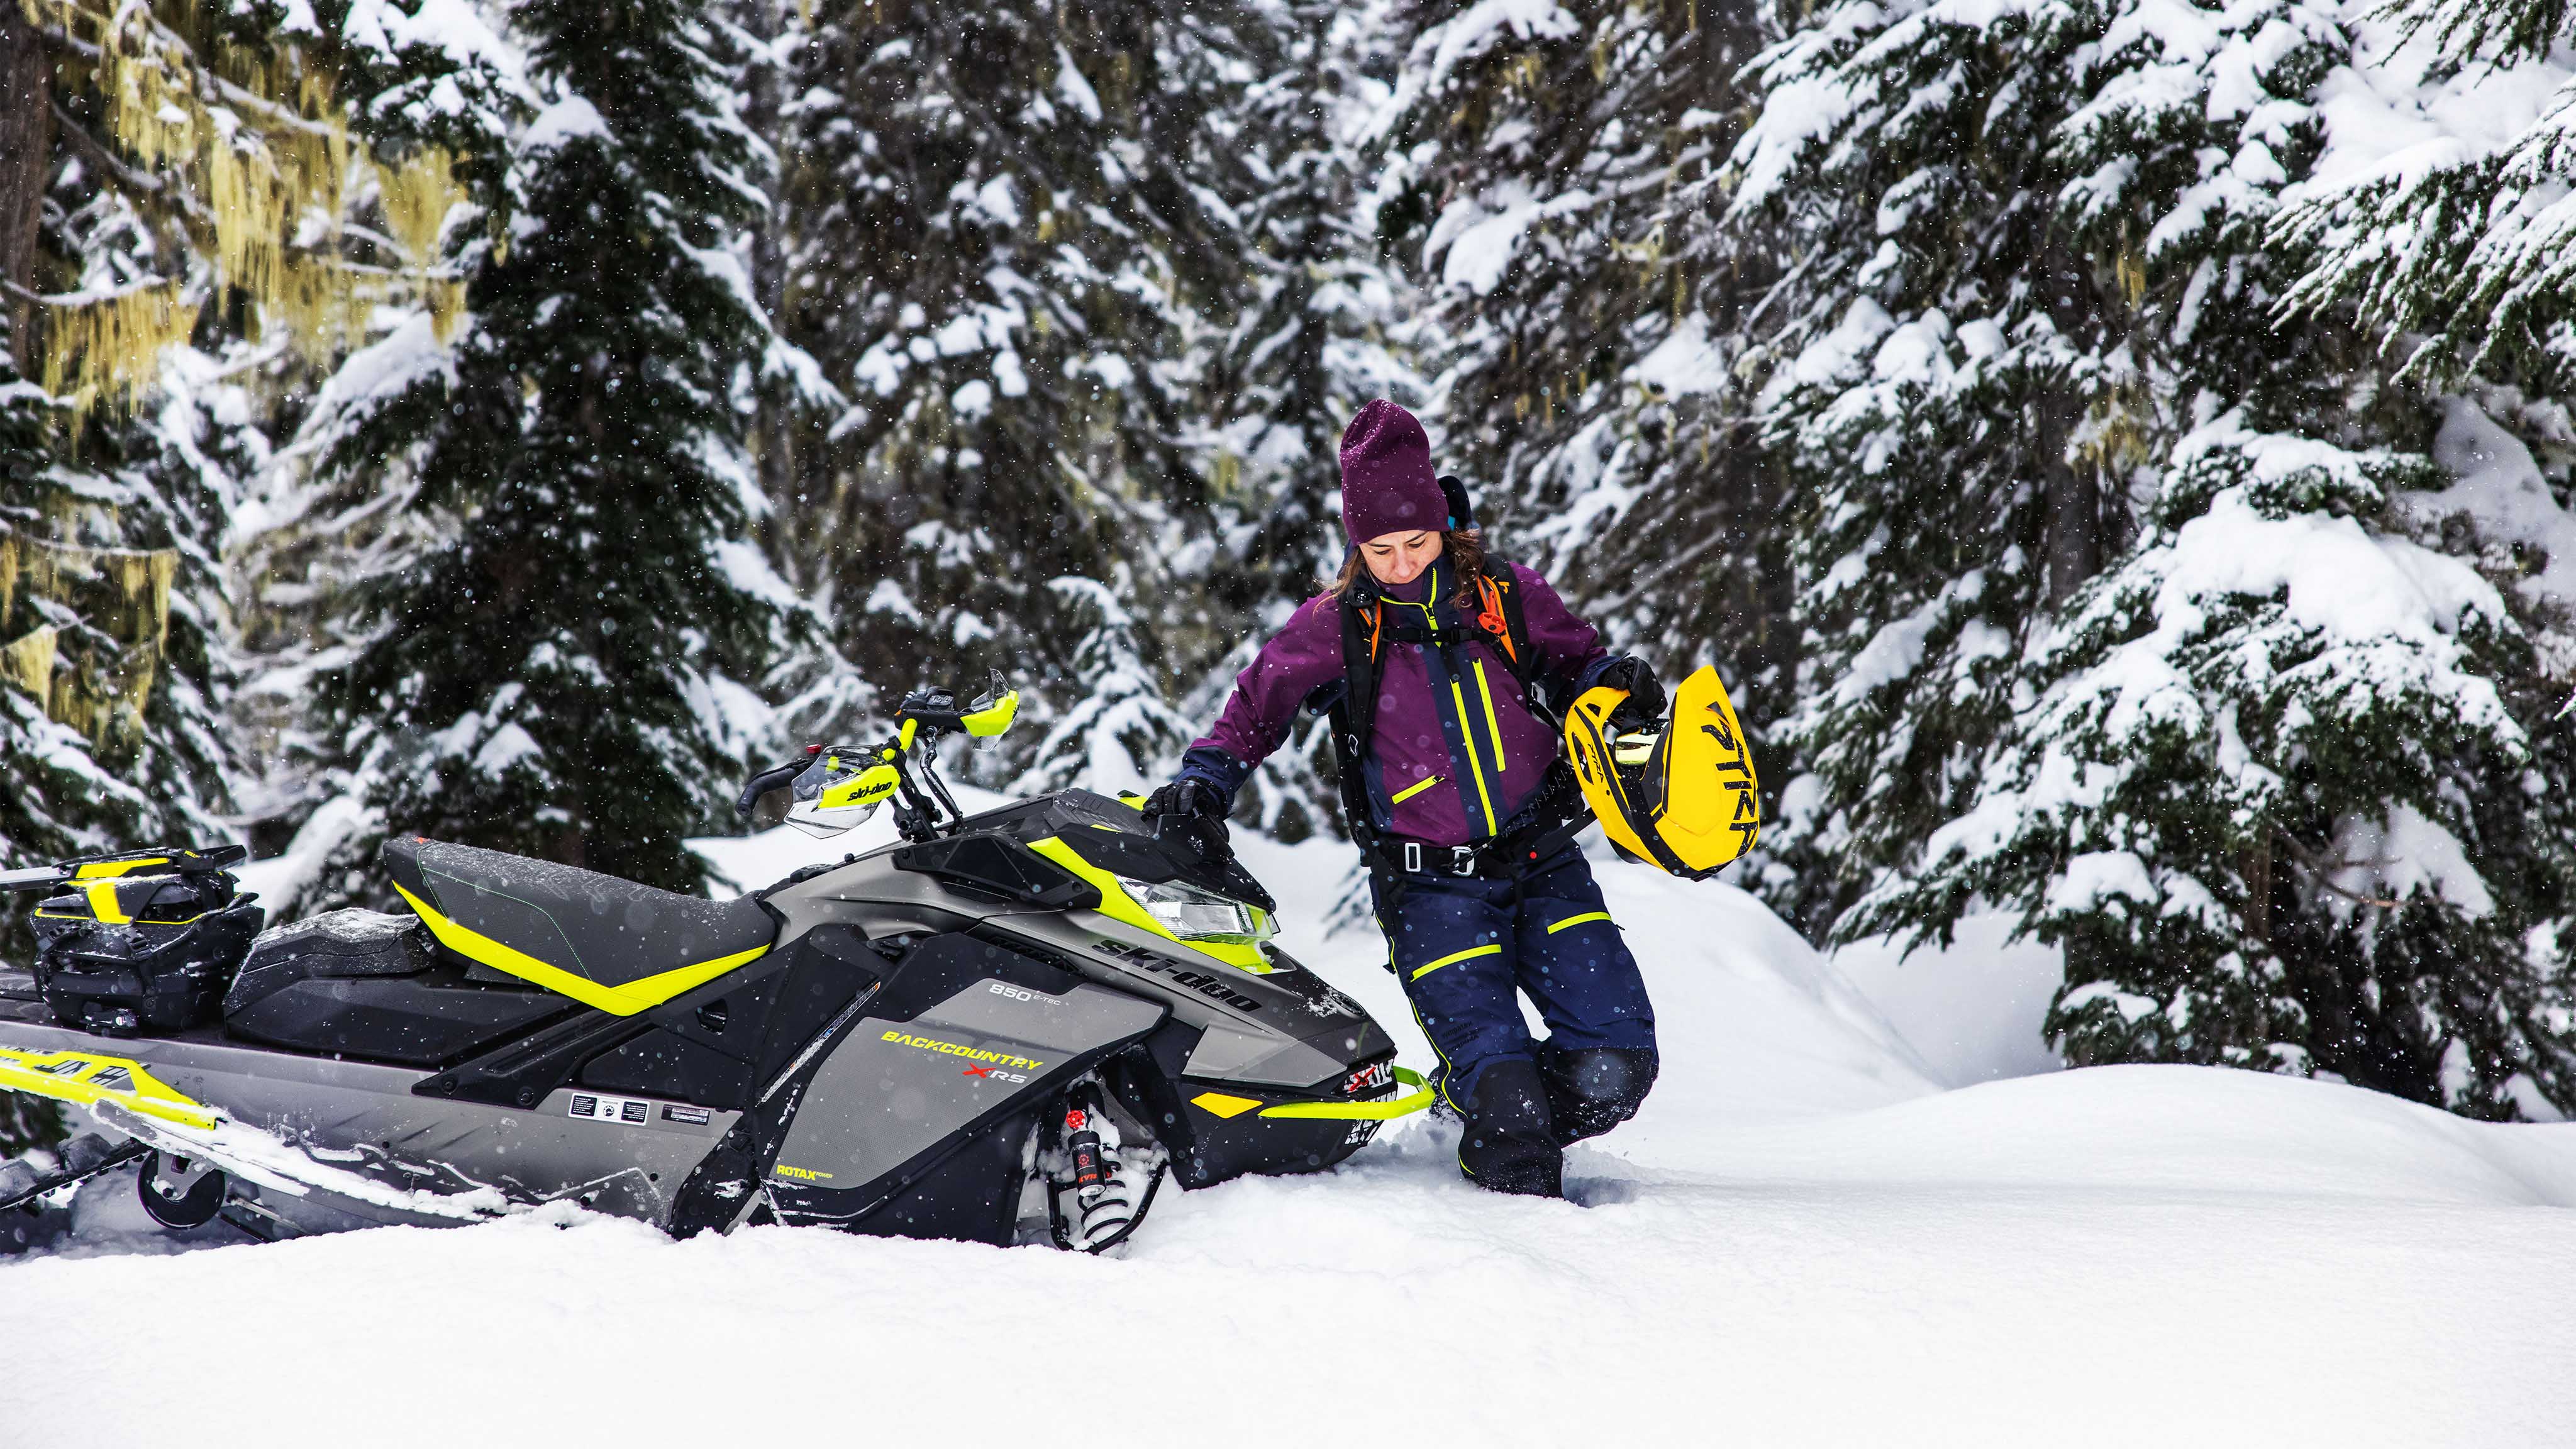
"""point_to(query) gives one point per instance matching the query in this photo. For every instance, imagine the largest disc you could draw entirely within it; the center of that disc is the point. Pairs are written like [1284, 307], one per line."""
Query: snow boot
[1593, 1089]
[1509, 1145]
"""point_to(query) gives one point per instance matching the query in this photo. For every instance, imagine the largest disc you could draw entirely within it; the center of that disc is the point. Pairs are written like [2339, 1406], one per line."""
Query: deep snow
[1802, 1240]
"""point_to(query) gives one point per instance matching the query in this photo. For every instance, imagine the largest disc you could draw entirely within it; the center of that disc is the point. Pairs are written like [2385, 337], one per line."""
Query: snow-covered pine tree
[2279, 800]
[1120, 736]
[154, 170]
[158, 167]
[1323, 323]
[2463, 250]
[2270, 780]
[999, 244]
[543, 657]
[2009, 271]
[1560, 173]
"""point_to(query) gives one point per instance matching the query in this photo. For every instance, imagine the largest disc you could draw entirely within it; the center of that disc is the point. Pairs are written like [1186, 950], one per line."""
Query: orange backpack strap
[1491, 618]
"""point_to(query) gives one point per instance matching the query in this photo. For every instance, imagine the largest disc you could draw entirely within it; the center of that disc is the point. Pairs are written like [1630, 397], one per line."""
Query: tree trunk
[2074, 505]
[26, 144]
[2071, 525]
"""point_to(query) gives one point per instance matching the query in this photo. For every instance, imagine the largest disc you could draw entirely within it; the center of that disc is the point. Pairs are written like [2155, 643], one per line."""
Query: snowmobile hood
[604, 942]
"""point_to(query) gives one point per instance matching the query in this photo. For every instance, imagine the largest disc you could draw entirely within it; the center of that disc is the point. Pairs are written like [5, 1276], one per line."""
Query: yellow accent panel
[1454, 957]
[1572, 921]
[1493, 727]
[1222, 1105]
[104, 904]
[1416, 788]
[103, 869]
[86, 1080]
[1404, 1106]
[1117, 905]
[1458, 700]
[624, 1000]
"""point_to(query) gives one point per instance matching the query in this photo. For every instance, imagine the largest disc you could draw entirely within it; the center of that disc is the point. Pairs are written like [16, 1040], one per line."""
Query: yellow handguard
[993, 718]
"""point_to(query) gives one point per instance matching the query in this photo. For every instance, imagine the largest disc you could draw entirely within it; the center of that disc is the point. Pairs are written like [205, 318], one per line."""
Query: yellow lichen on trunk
[141, 581]
[28, 662]
[109, 349]
[256, 136]
[418, 197]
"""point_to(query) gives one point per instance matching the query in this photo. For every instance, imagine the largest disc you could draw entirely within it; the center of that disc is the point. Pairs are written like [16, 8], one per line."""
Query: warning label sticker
[610, 1109]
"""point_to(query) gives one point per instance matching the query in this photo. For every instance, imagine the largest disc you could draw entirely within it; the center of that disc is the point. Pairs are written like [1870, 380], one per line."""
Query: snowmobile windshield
[1111, 835]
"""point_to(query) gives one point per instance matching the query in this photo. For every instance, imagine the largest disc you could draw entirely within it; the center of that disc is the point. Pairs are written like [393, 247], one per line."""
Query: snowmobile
[1007, 1027]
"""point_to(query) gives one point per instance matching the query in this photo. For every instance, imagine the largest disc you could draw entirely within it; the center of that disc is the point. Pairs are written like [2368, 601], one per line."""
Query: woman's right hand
[1193, 798]
[1193, 813]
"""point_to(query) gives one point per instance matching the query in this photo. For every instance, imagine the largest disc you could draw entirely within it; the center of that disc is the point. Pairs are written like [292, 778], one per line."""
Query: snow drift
[1802, 1240]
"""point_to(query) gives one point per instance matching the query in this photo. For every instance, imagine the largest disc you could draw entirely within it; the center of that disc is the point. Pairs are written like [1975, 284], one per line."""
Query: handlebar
[776, 777]
[922, 717]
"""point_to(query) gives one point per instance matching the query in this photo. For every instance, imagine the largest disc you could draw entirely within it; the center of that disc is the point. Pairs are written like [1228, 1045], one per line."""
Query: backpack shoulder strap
[1499, 617]
[1354, 714]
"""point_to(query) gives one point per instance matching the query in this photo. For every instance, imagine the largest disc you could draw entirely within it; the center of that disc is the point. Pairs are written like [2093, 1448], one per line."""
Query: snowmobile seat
[604, 942]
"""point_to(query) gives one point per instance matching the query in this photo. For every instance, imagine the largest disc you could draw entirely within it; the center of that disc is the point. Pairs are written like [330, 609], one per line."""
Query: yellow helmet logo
[1690, 804]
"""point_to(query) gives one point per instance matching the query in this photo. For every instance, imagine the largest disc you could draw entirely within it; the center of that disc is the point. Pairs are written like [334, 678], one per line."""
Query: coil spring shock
[1113, 1184]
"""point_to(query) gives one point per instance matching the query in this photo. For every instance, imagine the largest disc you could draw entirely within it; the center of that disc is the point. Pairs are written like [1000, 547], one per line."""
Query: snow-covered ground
[1804, 1239]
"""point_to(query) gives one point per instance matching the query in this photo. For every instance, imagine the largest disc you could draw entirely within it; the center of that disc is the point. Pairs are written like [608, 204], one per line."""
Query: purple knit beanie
[1387, 482]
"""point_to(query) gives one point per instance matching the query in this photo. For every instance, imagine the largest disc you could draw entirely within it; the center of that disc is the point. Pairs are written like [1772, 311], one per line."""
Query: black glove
[1645, 703]
[1196, 798]
[1193, 813]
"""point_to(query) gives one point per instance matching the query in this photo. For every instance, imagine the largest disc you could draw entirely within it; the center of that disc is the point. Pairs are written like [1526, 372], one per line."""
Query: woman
[1441, 667]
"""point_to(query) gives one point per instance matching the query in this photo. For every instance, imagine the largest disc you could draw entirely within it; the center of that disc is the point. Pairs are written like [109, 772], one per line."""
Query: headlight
[1196, 915]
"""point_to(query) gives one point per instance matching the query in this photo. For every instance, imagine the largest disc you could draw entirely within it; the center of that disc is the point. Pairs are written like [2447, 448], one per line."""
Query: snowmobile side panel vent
[998, 869]
[941, 966]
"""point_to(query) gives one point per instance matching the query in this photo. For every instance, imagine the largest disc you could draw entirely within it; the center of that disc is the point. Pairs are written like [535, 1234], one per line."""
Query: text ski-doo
[1006, 1028]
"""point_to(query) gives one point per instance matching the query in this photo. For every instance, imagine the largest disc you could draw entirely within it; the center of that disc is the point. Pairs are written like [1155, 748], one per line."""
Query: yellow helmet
[1684, 801]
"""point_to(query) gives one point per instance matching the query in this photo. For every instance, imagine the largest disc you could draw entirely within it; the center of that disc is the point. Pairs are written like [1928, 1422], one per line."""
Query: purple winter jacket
[1453, 751]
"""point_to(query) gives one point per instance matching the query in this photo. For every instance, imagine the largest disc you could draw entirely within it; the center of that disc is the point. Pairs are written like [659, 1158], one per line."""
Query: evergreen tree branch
[2306, 860]
[137, 184]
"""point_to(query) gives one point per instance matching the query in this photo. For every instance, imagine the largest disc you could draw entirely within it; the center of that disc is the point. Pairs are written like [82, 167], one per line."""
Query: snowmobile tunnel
[604, 942]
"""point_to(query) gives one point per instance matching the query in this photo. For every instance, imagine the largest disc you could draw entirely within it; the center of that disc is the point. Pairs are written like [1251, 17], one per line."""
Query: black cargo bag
[127, 954]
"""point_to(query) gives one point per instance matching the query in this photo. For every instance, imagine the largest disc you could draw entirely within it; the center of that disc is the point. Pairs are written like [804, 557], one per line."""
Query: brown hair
[1463, 549]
